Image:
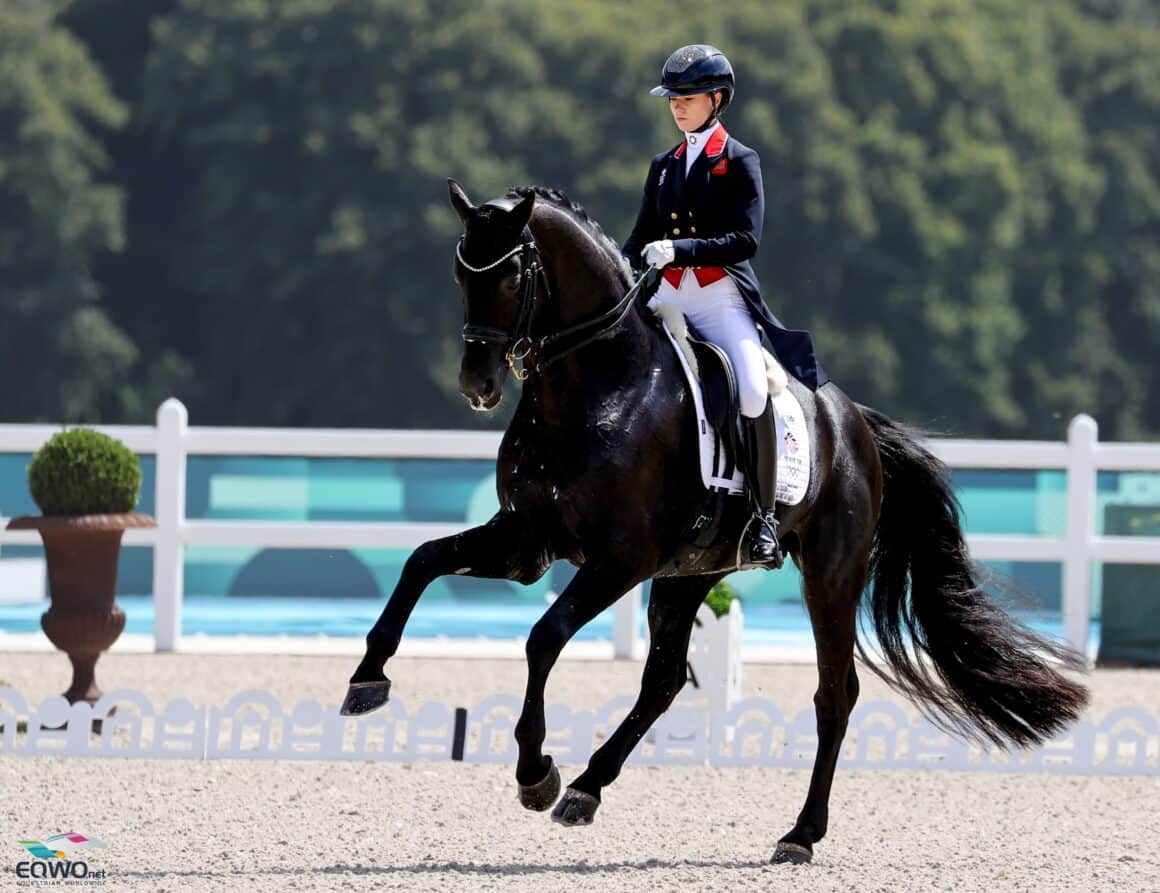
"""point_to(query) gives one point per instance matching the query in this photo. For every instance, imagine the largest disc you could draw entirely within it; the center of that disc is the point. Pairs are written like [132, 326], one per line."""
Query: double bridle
[518, 345]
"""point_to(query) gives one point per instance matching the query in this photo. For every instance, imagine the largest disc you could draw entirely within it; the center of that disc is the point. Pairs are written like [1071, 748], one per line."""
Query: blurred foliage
[963, 196]
[60, 354]
[720, 598]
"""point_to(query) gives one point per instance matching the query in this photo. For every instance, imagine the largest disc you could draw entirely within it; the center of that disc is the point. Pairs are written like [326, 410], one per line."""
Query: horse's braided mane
[558, 199]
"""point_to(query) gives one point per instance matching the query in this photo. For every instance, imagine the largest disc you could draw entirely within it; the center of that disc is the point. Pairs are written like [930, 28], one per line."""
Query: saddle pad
[793, 442]
[793, 449]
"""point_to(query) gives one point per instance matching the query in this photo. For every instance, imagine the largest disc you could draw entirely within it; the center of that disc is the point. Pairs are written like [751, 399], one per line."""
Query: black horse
[599, 467]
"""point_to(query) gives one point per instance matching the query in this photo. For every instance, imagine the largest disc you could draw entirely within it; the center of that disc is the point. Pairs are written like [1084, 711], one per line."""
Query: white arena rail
[172, 441]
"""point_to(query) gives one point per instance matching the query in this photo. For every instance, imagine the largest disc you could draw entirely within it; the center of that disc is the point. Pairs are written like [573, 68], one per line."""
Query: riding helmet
[698, 68]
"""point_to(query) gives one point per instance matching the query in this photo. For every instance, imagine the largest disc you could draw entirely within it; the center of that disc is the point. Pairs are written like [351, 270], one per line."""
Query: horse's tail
[975, 665]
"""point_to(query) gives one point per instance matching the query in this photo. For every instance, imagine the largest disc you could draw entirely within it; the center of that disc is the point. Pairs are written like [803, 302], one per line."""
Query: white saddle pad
[793, 442]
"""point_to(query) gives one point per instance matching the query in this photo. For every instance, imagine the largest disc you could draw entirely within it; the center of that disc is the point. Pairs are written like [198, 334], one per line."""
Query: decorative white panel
[754, 732]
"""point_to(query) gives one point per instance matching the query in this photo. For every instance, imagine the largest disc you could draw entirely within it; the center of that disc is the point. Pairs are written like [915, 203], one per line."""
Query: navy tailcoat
[714, 217]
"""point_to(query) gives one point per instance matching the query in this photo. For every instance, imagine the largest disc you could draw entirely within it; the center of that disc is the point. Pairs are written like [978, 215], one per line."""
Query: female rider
[700, 223]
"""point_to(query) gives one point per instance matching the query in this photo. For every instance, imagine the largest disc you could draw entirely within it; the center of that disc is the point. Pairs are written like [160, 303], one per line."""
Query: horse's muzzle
[482, 392]
[480, 405]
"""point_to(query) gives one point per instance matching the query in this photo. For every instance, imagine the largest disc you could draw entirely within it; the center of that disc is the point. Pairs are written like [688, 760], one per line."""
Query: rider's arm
[742, 230]
[647, 227]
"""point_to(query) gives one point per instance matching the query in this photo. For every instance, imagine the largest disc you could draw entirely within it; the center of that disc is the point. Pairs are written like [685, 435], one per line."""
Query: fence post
[626, 624]
[169, 555]
[1082, 436]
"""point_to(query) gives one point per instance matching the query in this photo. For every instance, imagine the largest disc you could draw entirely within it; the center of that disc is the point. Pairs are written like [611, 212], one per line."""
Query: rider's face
[690, 112]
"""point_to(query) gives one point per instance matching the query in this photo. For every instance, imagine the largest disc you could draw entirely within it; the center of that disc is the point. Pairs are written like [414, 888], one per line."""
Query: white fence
[173, 440]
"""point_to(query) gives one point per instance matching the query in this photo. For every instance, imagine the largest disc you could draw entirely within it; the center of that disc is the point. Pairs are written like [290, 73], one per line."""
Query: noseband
[518, 345]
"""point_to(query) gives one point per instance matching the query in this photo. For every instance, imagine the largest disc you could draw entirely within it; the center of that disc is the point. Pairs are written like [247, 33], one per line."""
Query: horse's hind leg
[672, 608]
[505, 547]
[834, 560]
[596, 586]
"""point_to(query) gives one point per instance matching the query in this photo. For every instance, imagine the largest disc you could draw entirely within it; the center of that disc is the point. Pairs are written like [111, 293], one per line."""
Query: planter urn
[83, 618]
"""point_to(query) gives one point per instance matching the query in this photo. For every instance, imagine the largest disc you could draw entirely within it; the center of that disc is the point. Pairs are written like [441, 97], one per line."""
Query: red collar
[715, 146]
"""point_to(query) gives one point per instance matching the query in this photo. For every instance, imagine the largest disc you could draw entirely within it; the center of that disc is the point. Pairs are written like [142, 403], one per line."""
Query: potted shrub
[87, 485]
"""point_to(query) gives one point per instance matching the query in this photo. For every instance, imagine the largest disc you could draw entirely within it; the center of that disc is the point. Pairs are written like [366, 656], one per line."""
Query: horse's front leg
[596, 586]
[672, 608]
[504, 547]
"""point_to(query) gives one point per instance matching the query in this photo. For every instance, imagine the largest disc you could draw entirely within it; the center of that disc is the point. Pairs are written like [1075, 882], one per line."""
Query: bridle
[522, 352]
[517, 344]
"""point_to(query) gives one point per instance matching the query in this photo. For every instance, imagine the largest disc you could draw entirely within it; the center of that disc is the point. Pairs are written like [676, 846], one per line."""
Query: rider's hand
[658, 254]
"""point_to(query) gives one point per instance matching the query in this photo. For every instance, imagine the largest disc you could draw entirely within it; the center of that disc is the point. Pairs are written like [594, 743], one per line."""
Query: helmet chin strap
[709, 122]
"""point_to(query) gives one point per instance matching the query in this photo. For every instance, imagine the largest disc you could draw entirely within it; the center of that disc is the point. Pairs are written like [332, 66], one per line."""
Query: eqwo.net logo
[60, 846]
[57, 859]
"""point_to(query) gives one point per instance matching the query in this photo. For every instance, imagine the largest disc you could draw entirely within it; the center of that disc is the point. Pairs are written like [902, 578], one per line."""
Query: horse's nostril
[488, 387]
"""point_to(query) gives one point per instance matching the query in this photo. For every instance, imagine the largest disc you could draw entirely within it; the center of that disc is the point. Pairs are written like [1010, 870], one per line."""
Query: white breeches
[721, 316]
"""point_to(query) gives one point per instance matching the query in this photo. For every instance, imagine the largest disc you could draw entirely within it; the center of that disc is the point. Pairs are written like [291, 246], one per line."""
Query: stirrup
[765, 548]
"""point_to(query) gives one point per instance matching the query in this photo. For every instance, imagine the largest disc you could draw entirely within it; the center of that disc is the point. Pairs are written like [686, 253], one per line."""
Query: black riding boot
[761, 444]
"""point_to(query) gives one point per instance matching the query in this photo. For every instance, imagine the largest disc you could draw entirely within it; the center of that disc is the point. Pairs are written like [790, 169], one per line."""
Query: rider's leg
[761, 445]
[721, 315]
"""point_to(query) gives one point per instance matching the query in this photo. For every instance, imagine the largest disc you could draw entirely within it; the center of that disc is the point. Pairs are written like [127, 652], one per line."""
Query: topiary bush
[84, 472]
[719, 599]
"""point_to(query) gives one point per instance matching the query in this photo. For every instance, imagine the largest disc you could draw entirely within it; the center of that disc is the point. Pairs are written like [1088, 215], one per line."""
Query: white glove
[658, 254]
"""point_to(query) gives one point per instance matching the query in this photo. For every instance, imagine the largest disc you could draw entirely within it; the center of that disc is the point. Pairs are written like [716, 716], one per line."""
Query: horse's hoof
[363, 697]
[791, 854]
[575, 808]
[543, 793]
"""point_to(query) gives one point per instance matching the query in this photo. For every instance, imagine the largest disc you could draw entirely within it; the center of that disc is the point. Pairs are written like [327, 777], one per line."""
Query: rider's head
[698, 80]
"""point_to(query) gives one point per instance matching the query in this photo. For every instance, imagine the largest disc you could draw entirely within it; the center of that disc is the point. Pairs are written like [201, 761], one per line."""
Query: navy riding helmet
[698, 68]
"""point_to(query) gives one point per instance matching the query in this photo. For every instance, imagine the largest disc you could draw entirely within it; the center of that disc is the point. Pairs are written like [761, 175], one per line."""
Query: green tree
[962, 197]
[138, 288]
[963, 151]
[60, 356]
[1109, 65]
[311, 274]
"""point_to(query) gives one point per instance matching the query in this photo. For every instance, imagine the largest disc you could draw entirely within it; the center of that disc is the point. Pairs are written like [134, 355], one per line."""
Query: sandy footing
[220, 825]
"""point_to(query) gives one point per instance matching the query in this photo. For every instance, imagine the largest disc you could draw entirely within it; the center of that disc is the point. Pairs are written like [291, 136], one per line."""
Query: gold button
[674, 215]
[692, 229]
[676, 231]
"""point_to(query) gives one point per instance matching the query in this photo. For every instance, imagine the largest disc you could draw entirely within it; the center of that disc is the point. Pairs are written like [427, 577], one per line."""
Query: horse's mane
[557, 199]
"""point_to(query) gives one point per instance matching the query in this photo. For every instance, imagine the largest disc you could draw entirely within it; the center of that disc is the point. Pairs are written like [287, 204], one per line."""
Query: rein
[522, 352]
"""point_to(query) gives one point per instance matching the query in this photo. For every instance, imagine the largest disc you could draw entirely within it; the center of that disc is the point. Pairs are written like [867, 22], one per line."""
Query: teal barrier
[463, 491]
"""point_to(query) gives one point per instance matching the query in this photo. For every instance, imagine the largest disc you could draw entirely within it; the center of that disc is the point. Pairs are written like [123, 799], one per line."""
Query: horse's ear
[459, 200]
[518, 217]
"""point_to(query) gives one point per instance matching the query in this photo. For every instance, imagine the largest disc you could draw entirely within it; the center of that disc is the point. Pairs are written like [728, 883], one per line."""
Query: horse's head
[490, 262]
